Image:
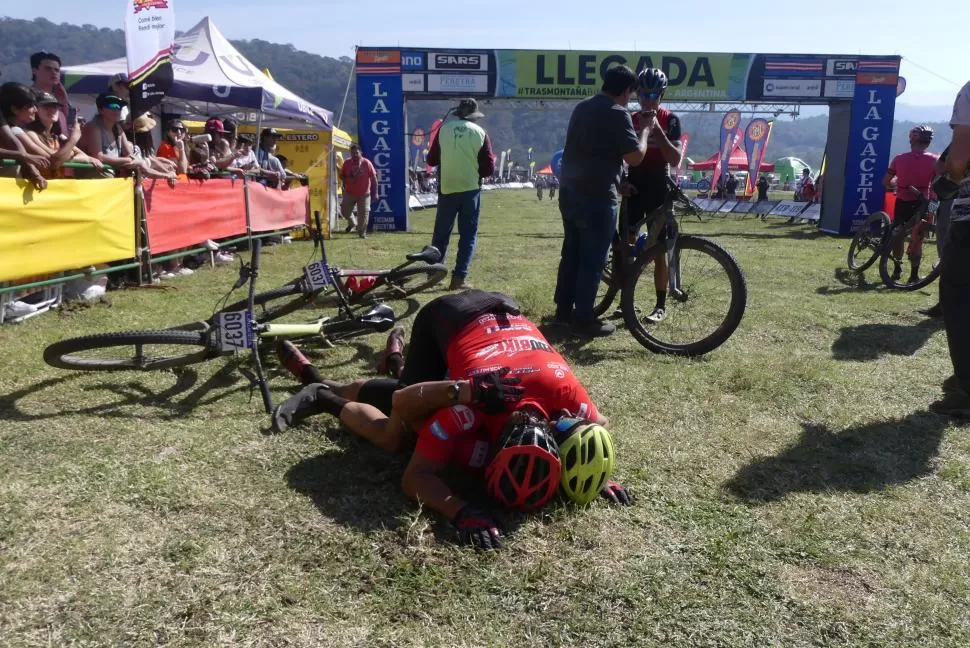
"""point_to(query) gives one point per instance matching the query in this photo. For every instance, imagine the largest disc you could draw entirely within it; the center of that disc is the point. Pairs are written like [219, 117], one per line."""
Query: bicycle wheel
[864, 249]
[402, 283]
[275, 303]
[701, 313]
[131, 350]
[920, 264]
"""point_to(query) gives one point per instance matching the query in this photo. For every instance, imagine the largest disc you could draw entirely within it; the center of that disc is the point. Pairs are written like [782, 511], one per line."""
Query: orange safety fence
[192, 212]
[274, 209]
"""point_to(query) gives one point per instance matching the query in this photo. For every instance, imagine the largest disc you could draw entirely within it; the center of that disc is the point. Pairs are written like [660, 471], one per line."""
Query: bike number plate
[318, 275]
[235, 331]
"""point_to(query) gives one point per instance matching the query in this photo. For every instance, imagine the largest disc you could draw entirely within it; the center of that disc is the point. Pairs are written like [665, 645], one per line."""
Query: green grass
[792, 489]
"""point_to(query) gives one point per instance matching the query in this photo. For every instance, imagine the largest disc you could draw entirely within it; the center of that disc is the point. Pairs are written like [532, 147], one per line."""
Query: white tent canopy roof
[212, 79]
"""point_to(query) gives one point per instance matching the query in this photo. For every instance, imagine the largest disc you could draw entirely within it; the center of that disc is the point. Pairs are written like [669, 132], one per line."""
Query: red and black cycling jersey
[649, 178]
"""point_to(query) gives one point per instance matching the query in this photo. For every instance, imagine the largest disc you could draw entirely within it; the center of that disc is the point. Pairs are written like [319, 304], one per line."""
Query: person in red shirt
[497, 360]
[914, 169]
[173, 146]
[360, 189]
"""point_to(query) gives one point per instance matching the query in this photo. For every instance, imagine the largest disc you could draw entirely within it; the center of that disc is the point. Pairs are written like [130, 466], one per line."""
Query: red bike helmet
[524, 475]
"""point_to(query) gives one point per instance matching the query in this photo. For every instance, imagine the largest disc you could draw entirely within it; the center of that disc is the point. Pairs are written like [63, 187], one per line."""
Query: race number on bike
[318, 275]
[234, 331]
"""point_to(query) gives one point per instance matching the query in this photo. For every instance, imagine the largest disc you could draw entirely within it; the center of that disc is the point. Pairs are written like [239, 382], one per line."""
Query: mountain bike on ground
[418, 273]
[227, 332]
[706, 290]
[878, 238]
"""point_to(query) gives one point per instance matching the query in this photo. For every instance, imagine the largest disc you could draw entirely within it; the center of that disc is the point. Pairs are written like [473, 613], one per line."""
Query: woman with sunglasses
[45, 133]
[173, 146]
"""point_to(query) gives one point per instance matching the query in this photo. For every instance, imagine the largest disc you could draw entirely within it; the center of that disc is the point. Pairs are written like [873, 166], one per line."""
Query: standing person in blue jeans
[463, 151]
[599, 139]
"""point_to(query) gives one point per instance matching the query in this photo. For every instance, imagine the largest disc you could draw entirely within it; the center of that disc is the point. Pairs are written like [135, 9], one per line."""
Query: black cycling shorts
[638, 206]
[436, 325]
[379, 392]
[905, 209]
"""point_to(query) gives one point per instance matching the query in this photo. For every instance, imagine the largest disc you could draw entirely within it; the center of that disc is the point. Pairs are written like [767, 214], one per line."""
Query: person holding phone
[45, 133]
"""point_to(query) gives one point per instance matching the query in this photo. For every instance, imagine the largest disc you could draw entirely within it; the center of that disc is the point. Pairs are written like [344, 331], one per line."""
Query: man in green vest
[462, 151]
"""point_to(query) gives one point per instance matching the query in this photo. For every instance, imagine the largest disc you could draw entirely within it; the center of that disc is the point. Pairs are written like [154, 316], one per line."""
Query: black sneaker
[596, 328]
[897, 271]
[933, 311]
[954, 403]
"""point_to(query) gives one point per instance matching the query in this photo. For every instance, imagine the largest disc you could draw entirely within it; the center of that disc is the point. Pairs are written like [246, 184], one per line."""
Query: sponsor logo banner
[840, 88]
[149, 38]
[841, 67]
[465, 62]
[413, 82]
[412, 61]
[577, 74]
[792, 88]
[730, 132]
[756, 137]
[458, 83]
[870, 139]
[380, 119]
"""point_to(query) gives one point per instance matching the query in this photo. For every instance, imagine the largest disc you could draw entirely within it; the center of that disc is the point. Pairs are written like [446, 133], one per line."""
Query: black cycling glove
[495, 392]
[614, 492]
[477, 528]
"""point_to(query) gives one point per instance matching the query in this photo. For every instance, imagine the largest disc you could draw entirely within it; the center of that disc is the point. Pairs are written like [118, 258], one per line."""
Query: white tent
[212, 79]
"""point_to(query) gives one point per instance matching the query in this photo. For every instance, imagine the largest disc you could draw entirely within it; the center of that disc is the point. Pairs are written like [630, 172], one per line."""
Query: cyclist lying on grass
[501, 363]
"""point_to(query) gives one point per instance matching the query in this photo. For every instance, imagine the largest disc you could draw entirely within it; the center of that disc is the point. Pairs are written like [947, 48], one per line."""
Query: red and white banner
[149, 38]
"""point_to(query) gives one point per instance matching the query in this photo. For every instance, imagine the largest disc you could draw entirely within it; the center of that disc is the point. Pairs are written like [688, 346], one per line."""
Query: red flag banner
[149, 38]
[730, 133]
[756, 137]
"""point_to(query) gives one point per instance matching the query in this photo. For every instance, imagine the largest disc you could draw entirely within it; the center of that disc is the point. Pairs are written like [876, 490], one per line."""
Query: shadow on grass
[359, 486]
[130, 393]
[800, 234]
[871, 341]
[860, 459]
[852, 282]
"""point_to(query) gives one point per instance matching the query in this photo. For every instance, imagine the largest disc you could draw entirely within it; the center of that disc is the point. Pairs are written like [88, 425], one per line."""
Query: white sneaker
[167, 275]
[287, 239]
[211, 245]
[93, 292]
[224, 257]
[183, 271]
[17, 308]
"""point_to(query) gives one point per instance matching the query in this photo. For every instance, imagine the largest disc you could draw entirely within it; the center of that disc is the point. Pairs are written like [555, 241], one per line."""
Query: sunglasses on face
[178, 129]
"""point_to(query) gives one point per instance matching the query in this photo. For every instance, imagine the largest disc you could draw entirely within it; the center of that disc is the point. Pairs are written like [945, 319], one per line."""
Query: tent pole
[350, 78]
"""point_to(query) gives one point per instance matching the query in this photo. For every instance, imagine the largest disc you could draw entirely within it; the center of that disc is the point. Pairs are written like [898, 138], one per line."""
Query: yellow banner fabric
[71, 224]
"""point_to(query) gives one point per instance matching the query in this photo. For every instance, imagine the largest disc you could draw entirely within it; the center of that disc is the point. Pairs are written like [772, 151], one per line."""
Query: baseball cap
[46, 99]
[269, 132]
[215, 125]
[121, 77]
[108, 100]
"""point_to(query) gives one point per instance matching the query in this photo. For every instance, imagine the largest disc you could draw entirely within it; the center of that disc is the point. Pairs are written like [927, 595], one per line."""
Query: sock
[310, 375]
[662, 299]
[294, 361]
[395, 365]
[330, 403]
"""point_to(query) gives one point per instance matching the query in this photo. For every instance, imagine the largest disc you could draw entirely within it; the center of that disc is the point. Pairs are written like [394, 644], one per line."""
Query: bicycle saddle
[429, 254]
[379, 312]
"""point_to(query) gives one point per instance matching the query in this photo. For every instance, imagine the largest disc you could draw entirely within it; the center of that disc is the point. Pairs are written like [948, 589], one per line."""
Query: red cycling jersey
[461, 434]
[915, 168]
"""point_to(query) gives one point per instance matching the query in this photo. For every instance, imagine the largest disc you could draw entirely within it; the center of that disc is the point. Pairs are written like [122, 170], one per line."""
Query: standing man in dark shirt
[600, 137]
[762, 188]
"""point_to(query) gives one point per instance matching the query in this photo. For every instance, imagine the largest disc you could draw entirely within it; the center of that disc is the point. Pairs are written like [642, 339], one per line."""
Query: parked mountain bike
[226, 333]
[878, 238]
[418, 273]
[706, 293]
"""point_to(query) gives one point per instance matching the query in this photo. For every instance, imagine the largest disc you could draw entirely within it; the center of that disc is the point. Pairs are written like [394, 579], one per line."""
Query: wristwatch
[454, 390]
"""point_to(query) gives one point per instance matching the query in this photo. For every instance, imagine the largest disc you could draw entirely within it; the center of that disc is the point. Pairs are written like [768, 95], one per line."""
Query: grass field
[792, 489]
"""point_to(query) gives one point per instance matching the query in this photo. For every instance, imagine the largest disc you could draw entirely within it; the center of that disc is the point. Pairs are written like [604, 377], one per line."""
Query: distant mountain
[511, 124]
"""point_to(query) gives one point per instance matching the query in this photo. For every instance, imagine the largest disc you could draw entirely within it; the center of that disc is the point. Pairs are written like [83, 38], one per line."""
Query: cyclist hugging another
[645, 189]
[505, 417]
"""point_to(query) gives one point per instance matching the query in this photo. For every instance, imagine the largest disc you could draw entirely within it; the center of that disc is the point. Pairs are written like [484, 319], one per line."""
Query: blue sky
[930, 32]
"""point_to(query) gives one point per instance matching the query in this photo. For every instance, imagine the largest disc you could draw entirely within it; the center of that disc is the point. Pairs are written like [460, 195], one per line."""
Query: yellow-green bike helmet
[587, 456]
